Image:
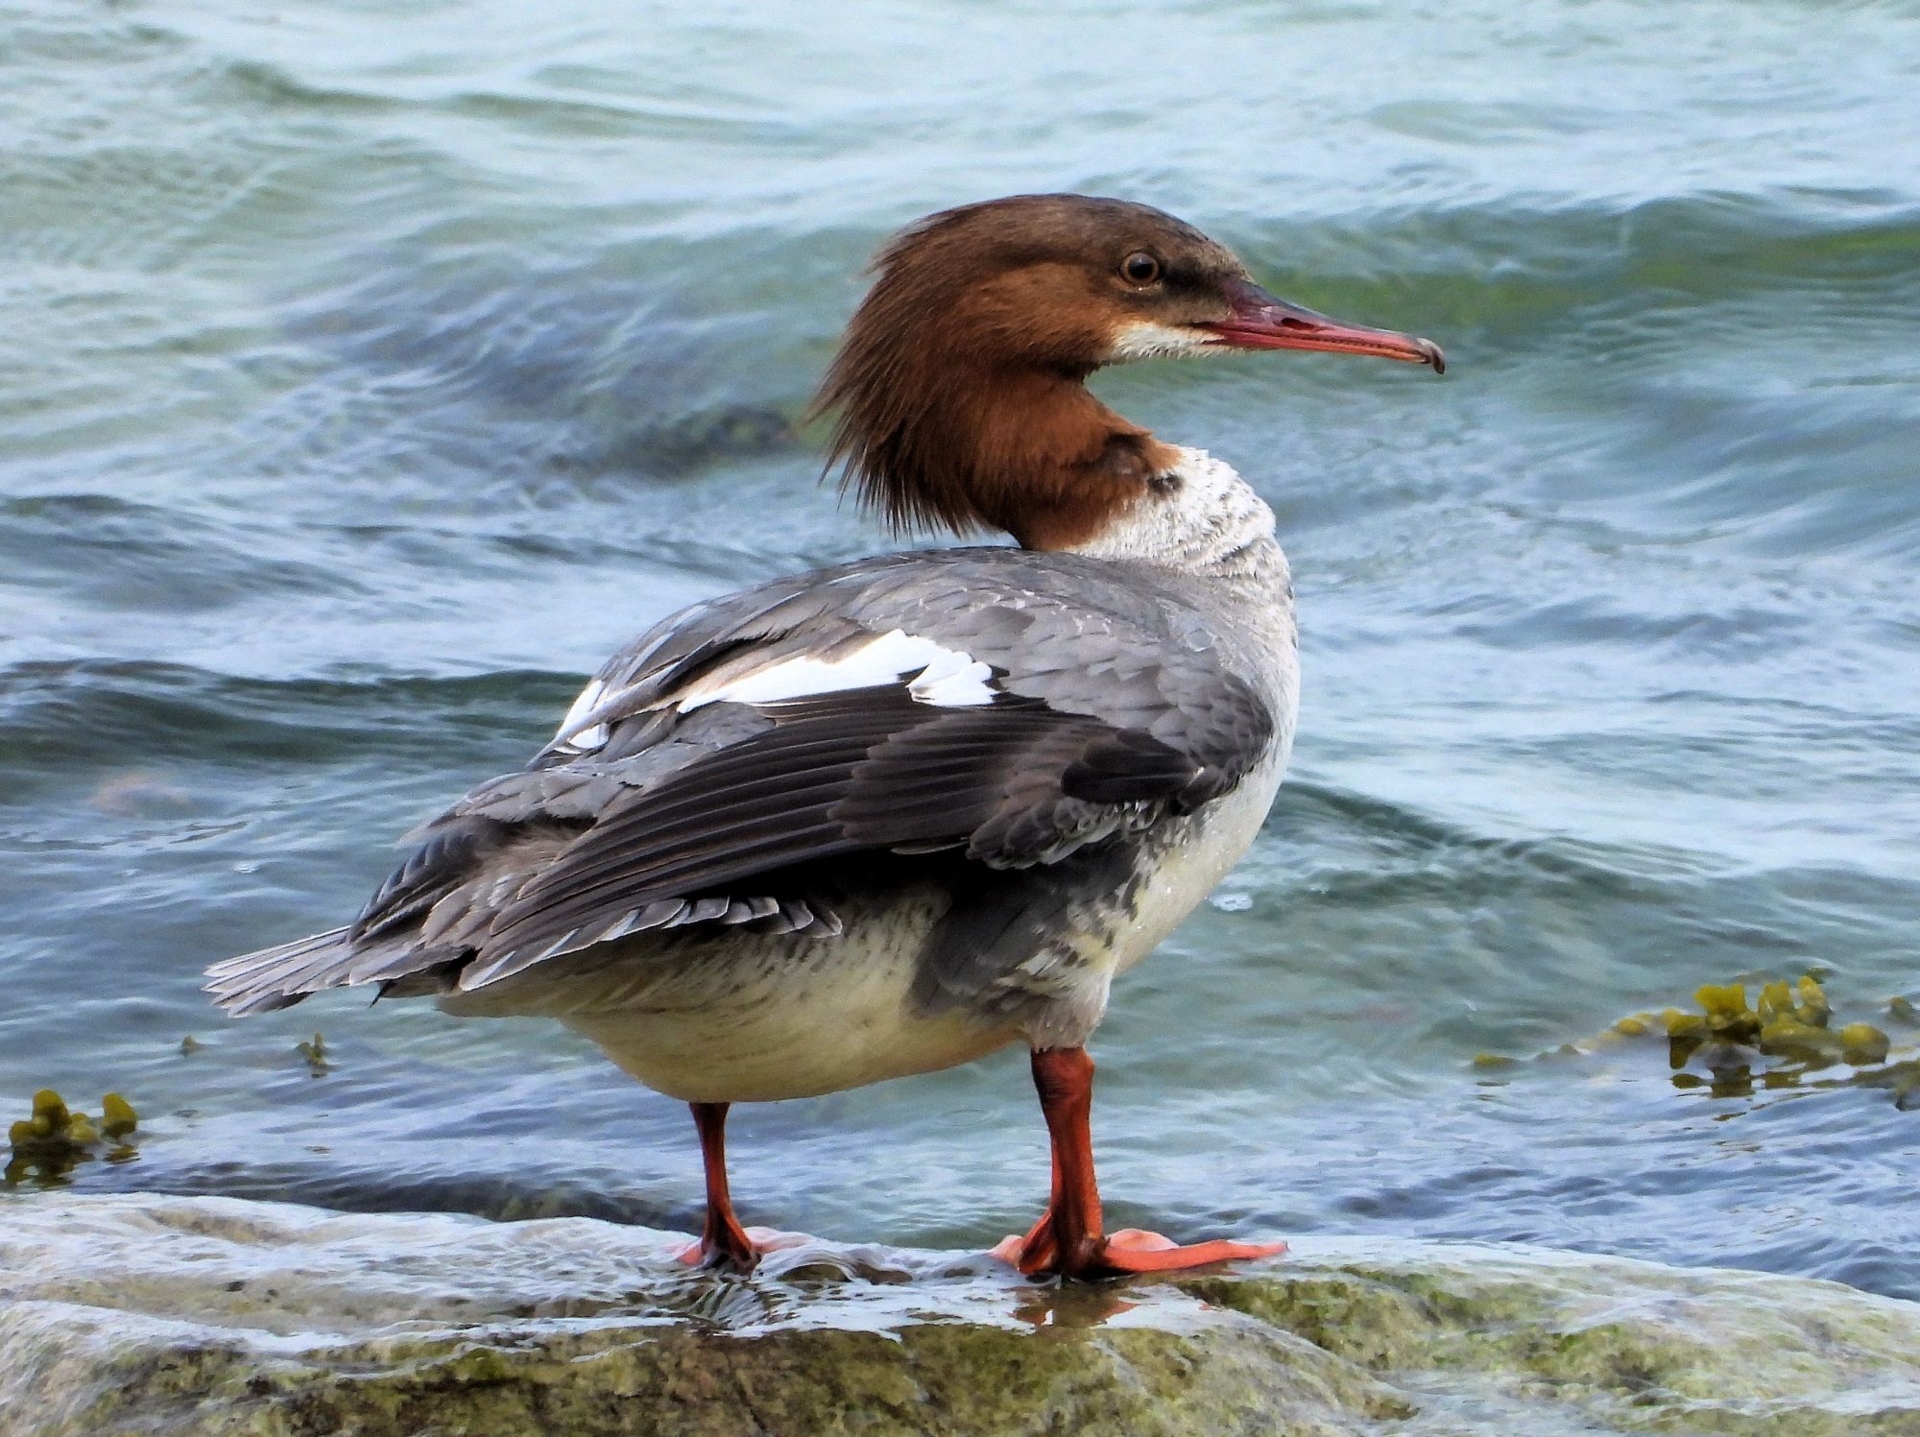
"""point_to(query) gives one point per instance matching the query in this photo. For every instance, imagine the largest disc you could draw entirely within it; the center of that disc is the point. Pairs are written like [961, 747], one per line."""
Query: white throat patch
[1145, 339]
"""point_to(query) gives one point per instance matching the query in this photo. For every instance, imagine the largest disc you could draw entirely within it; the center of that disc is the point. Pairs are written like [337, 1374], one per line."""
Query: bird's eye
[1140, 268]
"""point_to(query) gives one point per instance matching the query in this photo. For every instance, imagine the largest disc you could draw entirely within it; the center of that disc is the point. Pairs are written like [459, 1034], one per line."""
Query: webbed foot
[1121, 1253]
[739, 1248]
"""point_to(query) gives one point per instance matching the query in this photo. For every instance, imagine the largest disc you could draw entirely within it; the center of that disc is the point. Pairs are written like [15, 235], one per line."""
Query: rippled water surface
[367, 372]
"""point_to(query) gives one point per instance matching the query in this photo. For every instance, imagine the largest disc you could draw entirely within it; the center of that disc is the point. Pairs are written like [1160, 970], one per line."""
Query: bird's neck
[1030, 451]
[974, 445]
[1052, 465]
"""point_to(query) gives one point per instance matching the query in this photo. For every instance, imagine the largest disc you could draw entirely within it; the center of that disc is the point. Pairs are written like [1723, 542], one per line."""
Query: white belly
[1192, 868]
[749, 1018]
[744, 1018]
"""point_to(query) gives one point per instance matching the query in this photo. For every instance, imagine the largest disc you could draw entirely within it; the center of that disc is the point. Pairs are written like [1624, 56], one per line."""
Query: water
[368, 372]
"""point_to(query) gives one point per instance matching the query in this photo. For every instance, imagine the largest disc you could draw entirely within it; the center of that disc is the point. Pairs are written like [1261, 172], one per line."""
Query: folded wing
[704, 770]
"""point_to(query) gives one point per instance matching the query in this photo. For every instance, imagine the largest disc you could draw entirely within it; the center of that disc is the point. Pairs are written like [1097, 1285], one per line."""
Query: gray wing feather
[1116, 700]
[272, 978]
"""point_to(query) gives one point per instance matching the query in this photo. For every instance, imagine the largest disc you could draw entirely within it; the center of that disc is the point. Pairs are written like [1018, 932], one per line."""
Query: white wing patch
[943, 676]
[947, 678]
[588, 739]
[953, 680]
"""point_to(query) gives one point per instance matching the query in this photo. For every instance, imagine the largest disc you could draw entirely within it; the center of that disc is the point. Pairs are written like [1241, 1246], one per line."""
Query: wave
[84, 714]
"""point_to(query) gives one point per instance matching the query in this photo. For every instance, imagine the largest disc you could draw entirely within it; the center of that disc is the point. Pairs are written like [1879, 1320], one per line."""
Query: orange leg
[1069, 1238]
[723, 1241]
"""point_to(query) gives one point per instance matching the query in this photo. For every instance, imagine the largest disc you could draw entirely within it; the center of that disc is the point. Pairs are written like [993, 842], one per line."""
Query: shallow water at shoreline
[367, 374]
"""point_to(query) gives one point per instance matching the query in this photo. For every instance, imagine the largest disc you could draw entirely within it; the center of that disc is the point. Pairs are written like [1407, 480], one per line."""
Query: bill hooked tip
[1433, 354]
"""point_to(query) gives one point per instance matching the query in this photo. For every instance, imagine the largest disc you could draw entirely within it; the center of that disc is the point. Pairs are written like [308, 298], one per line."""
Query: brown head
[960, 384]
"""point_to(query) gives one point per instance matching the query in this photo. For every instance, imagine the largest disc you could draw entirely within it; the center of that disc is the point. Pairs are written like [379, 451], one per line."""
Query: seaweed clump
[1792, 1022]
[1785, 1039]
[1726, 1043]
[49, 1145]
[314, 1050]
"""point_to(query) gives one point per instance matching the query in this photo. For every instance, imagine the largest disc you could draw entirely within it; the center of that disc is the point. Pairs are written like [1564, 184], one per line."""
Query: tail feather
[280, 976]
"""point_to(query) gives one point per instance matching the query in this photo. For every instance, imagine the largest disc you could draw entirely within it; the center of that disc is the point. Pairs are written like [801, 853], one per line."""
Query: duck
[892, 816]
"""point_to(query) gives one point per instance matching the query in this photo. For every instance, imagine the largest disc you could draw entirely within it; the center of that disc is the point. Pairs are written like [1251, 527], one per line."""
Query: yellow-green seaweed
[1730, 1038]
[314, 1050]
[117, 1117]
[1791, 1021]
[51, 1143]
[1862, 1044]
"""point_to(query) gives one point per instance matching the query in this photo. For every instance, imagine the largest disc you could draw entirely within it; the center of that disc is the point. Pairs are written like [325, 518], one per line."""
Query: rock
[168, 1315]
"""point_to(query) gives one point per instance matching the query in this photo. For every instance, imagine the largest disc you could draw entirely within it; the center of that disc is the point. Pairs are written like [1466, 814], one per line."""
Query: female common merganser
[891, 816]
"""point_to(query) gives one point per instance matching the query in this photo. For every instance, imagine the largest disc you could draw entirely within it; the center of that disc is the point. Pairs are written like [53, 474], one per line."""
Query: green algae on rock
[165, 1315]
[50, 1144]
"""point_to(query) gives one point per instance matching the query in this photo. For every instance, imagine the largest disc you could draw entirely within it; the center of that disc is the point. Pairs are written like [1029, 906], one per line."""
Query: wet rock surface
[150, 1314]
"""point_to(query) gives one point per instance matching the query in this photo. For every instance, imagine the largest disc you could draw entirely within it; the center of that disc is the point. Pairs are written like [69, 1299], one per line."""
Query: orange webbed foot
[1123, 1253]
[1067, 1240]
[1034, 1253]
[740, 1250]
[1133, 1249]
